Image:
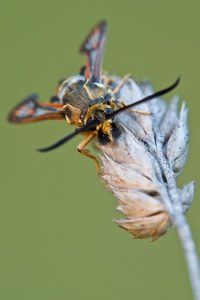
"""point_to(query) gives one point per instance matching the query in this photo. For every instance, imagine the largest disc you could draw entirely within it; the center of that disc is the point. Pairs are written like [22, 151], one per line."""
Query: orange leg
[120, 103]
[141, 112]
[86, 152]
[55, 105]
[122, 82]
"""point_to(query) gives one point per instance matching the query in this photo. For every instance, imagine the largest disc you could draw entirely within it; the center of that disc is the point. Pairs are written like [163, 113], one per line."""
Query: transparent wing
[93, 48]
[30, 110]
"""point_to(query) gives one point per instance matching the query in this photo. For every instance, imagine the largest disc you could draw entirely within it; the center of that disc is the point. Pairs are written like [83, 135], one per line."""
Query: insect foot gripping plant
[144, 149]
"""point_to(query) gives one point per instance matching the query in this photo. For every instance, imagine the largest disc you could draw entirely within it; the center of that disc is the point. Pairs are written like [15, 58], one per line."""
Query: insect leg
[122, 82]
[86, 152]
[120, 103]
[145, 113]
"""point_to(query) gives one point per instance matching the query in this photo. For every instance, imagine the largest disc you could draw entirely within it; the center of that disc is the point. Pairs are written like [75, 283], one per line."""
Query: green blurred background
[57, 240]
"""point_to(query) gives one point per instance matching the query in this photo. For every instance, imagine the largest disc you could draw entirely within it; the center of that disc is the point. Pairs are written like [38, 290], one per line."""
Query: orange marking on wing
[56, 105]
[51, 116]
[29, 112]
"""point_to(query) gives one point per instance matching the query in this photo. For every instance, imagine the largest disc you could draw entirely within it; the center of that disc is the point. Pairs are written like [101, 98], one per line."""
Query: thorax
[82, 99]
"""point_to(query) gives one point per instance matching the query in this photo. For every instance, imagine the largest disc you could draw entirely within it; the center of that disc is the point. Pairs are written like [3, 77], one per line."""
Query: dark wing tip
[102, 26]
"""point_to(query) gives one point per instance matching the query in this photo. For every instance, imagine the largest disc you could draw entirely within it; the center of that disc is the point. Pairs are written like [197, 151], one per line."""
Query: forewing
[30, 110]
[93, 47]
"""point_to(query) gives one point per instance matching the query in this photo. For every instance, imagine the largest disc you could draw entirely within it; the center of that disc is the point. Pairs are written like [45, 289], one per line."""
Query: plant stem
[182, 226]
[190, 252]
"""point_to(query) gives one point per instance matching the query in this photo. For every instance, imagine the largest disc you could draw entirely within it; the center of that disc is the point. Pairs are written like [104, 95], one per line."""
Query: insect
[85, 100]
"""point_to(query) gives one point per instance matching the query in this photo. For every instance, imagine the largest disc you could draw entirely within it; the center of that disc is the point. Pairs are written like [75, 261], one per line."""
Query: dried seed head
[132, 168]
